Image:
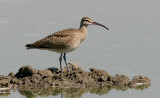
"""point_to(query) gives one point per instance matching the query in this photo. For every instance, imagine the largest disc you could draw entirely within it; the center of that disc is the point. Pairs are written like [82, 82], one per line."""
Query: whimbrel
[64, 41]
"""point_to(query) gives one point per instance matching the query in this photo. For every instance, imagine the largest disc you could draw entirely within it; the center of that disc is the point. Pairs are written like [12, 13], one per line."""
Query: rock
[16, 81]
[45, 73]
[28, 77]
[53, 69]
[99, 75]
[4, 83]
[121, 80]
[25, 71]
[81, 78]
[72, 67]
[2, 77]
[11, 74]
[139, 80]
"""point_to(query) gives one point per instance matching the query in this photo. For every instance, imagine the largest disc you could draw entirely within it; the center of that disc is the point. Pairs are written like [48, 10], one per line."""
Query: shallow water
[70, 92]
[130, 47]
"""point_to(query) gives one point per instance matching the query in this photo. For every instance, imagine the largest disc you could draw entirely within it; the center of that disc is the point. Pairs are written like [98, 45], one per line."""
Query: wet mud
[50, 81]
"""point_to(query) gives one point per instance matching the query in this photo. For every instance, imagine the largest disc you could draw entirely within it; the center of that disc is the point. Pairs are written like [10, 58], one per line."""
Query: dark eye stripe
[86, 20]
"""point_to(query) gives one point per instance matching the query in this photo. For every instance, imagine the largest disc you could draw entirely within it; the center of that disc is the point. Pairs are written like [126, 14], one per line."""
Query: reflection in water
[141, 87]
[100, 90]
[73, 92]
[4, 92]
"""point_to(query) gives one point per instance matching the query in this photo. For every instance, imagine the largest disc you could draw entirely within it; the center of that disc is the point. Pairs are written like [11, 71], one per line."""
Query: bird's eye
[86, 20]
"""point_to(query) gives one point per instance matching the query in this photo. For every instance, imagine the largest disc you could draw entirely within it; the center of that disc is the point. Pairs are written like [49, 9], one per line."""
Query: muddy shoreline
[28, 77]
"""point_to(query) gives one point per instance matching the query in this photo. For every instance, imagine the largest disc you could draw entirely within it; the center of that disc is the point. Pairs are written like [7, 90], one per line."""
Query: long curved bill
[95, 23]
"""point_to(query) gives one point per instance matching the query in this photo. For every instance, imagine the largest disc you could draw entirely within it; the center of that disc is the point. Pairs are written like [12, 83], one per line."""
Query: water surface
[130, 47]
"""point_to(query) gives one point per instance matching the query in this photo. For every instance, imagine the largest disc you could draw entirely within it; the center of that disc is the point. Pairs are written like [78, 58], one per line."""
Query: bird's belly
[69, 47]
[63, 50]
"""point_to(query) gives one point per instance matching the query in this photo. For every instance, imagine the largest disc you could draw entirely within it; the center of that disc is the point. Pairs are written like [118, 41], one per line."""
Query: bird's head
[85, 21]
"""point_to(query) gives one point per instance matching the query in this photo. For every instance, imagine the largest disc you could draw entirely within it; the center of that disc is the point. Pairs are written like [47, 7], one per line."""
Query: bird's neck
[83, 32]
[83, 28]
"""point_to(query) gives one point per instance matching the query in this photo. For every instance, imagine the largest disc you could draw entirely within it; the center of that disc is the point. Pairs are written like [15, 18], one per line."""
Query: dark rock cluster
[76, 78]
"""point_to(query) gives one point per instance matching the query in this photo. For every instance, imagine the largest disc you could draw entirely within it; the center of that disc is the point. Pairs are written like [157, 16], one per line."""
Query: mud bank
[28, 77]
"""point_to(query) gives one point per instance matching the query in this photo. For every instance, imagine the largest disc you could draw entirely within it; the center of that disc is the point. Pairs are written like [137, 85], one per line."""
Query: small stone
[73, 67]
[25, 71]
[11, 74]
[46, 73]
[121, 80]
[4, 82]
[53, 69]
[139, 80]
[99, 75]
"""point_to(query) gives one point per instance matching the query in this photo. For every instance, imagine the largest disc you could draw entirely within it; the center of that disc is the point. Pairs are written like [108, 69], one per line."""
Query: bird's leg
[60, 61]
[64, 57]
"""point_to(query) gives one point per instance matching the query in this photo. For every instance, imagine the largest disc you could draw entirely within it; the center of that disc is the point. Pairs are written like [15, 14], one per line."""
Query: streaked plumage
[64, 41]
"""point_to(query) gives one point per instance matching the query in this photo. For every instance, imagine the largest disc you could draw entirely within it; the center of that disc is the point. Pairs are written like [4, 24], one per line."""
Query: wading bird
[64, 41]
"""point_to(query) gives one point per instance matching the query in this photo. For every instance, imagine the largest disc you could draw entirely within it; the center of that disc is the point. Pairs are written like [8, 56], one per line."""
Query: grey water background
[130, 47]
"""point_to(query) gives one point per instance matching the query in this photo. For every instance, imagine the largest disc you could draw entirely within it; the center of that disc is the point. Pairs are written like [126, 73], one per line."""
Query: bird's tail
[30, 46]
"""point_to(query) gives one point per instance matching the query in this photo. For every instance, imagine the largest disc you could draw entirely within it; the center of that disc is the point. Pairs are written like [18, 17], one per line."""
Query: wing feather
[60, 39]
